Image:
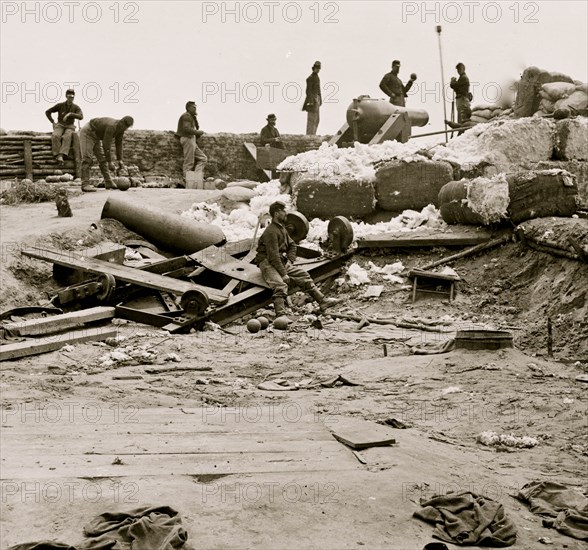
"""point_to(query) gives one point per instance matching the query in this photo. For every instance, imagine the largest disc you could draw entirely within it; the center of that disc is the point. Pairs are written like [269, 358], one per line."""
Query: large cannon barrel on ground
[370, 114]
[167, 230]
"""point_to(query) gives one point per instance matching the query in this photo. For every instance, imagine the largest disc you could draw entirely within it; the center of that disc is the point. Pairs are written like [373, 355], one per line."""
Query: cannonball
[122, 183]
[26, 182]
[281, 323]
[263, 321]
[253, 325]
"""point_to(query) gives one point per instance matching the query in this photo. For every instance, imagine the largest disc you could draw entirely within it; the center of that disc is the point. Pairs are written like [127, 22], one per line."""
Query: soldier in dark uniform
[461, 87]
[313, 100]
[392, 86]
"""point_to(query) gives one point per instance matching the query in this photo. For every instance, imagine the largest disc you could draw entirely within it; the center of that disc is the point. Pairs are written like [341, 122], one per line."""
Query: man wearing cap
[96, 139]
[64, 128]
[188, 131]
[276, 254]
[392, 86]
[461, 87]
[313, 101]
[270, 137]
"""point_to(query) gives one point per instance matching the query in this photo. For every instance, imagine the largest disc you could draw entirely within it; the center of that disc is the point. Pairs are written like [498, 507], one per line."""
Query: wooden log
[20, 138]
[57, 323]
[474, 250]
[28, 159]
[36, 346]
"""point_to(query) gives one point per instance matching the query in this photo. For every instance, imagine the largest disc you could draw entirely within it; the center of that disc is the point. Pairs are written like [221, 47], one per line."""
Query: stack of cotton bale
[516, 197]
[500, 146]
[354, 182]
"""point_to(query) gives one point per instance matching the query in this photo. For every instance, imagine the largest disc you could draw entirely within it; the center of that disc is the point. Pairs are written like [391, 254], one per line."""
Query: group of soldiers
[96, 137]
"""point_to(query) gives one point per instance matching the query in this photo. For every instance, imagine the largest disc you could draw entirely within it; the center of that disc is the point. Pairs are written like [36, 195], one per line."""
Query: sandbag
[478, 119]
[238, 194]
[571, 140]
[317, 199]
[546, 106]
[481, 201]
[404, 185]
[578, 100]
[528, 98]
[484, 113]
[541, 193]
[243, 183]
[581, 87]
[558, 90]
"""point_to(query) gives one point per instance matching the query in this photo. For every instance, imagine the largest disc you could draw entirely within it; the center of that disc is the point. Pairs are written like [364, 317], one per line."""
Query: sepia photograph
[293, 274]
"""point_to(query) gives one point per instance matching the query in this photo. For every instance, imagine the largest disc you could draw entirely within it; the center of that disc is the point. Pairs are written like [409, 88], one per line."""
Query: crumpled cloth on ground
[468, 519]
[144, 528]
[568, 507]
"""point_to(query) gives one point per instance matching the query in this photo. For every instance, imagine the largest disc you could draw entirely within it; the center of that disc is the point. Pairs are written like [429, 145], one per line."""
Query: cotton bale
[402, 185]
[325, 199]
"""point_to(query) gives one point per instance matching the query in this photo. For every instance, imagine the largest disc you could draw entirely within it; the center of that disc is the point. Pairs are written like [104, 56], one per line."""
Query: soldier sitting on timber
[276, 254]
[64, 128]
[270, 137]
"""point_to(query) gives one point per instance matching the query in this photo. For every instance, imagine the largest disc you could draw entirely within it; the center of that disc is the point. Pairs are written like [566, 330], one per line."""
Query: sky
[240, 61]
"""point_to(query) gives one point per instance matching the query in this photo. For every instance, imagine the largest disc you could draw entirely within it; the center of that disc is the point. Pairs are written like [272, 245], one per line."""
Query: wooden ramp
[68, 440]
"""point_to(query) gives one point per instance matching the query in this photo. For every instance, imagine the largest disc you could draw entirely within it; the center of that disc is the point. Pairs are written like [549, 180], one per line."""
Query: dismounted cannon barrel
[168, 230]
[371, 113]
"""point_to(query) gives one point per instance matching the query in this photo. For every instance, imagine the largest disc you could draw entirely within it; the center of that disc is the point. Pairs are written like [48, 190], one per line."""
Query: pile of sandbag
[516, 197]
[529, 87]
[486, 112]
[565, 96]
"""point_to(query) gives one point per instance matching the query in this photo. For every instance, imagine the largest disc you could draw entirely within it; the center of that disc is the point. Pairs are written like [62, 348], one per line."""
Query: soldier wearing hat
[276, 254]
[313, 101]
[392, 86]
[189, 131]
[64, 128]
[96, 139]
[270, 137]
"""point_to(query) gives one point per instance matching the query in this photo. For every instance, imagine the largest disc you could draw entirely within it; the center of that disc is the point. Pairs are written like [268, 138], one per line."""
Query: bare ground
[342, 504]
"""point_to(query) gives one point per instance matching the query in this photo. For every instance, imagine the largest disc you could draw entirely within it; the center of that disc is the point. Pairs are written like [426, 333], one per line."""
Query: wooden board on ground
[358, 433]
[123, 273]
[204, 441]
[397, 239]
[56, 323]
[36, 346]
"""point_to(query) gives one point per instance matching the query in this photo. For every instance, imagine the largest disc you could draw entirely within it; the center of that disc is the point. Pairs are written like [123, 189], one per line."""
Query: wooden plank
[360, 434]
[127, 274]
[252, 150]
[410, 239]
[43, 345]
[154, 444]
[238, 270]
[91, 466]
[36, 447]
[55, 323]
[28, 159]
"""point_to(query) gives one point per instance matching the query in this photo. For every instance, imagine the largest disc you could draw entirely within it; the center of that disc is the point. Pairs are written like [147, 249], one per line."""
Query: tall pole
[442, 82]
